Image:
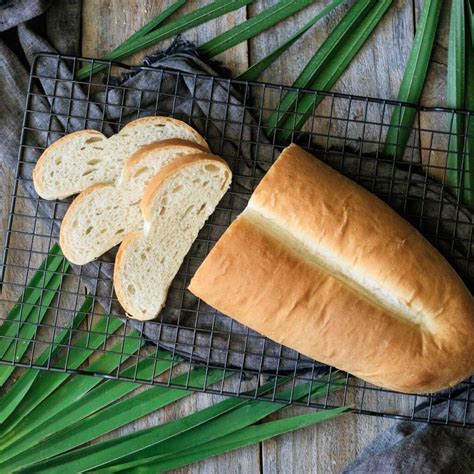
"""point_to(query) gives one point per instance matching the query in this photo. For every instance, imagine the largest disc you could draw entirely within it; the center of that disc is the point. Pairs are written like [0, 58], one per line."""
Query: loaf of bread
[102, 215]
[80, 159]
[317, 263]
[175, 206]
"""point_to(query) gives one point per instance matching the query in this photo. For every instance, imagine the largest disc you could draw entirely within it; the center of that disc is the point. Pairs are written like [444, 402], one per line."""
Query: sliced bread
[81, 159]
[102, 215]
[175, 206]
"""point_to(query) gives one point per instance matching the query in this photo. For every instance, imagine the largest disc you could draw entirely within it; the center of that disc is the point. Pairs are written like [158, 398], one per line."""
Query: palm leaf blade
[244, 437]
[411, 87]
[108, 452]
[252, 27]
[317, 62]
[456, 95]
[469, 106]
[241, 417]
[110, 418]
[186, 22]
[334, 67]
[96, 399]
[19, 343]
[47, 382]
[17, 392]
[150, 26]
[67, 394]
[253, 72]
[30, 297]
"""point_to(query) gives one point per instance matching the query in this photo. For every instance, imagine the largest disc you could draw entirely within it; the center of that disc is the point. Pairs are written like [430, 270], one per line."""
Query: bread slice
[81, 159]
[175, 207]
[102, 215]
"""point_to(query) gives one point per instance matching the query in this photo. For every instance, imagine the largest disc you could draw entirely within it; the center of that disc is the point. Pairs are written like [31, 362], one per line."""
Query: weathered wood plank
[434, 95]
[107, 23]
[325, 448]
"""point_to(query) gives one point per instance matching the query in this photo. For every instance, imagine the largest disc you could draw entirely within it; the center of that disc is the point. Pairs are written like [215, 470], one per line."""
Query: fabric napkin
[408, 446]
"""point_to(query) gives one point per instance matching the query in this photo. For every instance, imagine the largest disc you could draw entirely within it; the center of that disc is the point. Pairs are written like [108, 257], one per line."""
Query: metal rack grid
[346, 131]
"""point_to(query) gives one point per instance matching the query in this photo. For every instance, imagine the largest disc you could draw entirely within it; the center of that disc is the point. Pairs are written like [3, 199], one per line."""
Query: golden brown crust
[169, 143]
[282, 293]
[123, 247]
[360, 229]
[156, 118]
[169, 170]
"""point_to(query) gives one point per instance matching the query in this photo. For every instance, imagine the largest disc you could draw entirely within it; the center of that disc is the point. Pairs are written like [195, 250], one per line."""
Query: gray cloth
[420, 448]
[384, 456]
[14, 12]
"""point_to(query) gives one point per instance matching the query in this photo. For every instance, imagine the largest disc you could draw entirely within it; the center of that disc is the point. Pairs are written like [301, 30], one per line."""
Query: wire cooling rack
[346, 131]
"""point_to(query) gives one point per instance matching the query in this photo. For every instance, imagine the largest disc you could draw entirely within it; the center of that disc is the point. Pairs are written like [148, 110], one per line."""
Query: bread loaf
[102, 215]
[80, 159]
[317, 263]
[175, 206]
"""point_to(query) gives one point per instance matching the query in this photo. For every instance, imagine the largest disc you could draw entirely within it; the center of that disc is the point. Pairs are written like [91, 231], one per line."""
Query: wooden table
[376, 71]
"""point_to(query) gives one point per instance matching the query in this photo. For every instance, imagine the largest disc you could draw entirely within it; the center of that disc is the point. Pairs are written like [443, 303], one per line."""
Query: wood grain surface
[376, 71]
